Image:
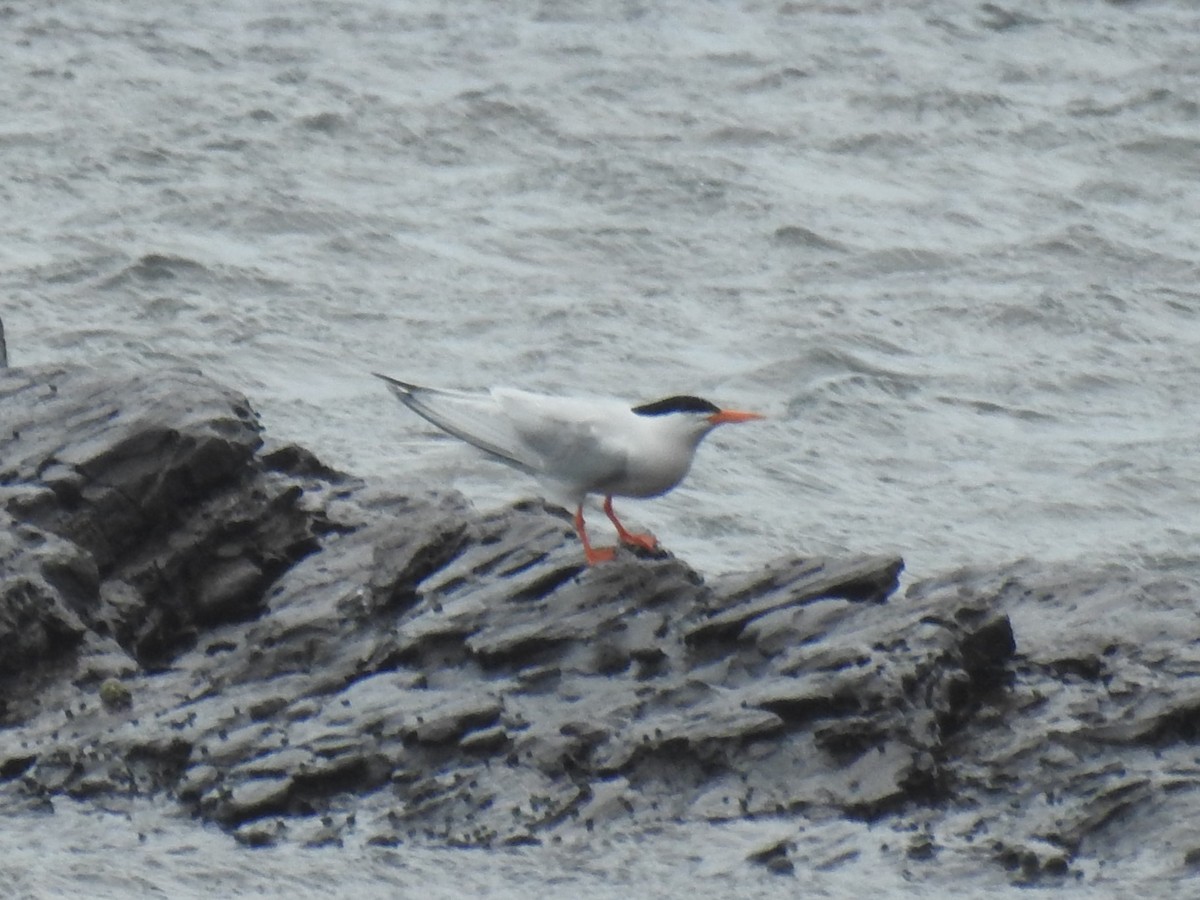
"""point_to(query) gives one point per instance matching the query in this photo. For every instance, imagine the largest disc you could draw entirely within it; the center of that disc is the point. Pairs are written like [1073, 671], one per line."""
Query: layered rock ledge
[296, 655]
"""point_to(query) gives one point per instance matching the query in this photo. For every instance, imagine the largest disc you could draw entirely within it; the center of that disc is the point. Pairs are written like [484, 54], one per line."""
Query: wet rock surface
[295, 655]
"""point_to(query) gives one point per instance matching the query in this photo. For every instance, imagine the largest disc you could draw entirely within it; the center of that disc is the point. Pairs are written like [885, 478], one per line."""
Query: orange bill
[730, 416]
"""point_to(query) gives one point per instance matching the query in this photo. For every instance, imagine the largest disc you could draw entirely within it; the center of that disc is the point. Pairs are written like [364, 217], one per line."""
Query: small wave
[492, 109]
[993, 408]
[774, 80]
[857, 388]
[76, 270]
[997, 18]
[153, 267]
[745, 136]
[846, 353]
[1085, 241]
[875, 143]
[1106, 190]
[903, 259]
[165, 308]
[738, 59]
[950, 102]
[1091, 107]
[323, 122]
[832, 375]
[1183, 152]
[799, 236]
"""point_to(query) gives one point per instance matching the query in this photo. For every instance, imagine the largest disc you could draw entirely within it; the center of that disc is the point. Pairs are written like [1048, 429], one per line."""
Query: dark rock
[485, 740]
[775, 857]
[115, 695]
[154, 479]
[261, 833]
[922, 848]
[747, 598]
[780, 865]
[305, 654]
[46, 584]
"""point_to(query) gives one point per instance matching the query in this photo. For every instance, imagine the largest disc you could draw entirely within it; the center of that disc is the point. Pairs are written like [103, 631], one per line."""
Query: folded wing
[574, 441]
[571, 445]
[475, 418]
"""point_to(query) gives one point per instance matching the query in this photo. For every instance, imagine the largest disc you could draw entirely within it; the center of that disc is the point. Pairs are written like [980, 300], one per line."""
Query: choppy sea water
[950, 249]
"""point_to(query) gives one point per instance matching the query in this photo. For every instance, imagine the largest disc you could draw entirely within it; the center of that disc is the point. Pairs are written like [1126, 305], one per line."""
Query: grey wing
[570, 441]
[474, 418]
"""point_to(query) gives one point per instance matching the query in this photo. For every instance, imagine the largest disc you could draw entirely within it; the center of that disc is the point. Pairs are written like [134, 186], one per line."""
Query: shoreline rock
[296, 655]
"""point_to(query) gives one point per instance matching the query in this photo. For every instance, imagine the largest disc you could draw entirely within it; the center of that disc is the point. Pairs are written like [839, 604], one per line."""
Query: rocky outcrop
[296, 655]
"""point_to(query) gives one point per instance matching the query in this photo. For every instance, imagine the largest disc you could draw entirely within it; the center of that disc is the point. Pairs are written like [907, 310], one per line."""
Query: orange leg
[594, 554]
[645, 541]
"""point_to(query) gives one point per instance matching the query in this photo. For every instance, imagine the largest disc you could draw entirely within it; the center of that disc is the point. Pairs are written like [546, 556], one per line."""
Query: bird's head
[693, 415]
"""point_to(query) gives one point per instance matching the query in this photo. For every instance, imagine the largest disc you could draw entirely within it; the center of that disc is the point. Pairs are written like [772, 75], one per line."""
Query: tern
[577, 447]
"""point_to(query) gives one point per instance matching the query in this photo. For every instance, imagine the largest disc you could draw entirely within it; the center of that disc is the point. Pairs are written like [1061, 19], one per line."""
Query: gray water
[949, 248]
[142, 853]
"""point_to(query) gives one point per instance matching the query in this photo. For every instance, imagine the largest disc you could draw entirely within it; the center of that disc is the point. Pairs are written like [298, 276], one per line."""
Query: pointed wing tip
[395, 383]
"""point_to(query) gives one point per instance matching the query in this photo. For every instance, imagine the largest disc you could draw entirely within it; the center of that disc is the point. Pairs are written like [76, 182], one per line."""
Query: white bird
[578, 447]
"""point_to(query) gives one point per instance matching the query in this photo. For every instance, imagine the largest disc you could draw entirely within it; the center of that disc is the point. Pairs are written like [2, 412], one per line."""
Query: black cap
[677, 405]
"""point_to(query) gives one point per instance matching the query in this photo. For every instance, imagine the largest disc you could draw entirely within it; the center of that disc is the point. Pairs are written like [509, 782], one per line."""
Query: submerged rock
[296, 655]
